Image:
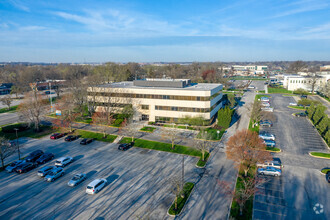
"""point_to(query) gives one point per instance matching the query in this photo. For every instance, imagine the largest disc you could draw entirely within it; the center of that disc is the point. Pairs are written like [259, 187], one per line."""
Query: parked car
[11, 167]
[35, 155]
[327, 176]
[95, 186]
[300, 114]
[267, 109]
[76, 179]
[293, 104]
[303, 96]
[25, 167]
[251, 87]
[54, 174]
[265, 104]
[45, 170]
[126, 146]
[71, 138]
[45, 158]
[271, 171]
[267, 136]
[264, 99]
[86, 141]
[57, 135]
[63, 161]
[265, 123]
[272, 163]
[270, 143]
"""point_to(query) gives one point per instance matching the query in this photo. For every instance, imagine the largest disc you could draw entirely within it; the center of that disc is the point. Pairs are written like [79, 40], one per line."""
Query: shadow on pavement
[78, 157]
[91, 173]
[112, 178]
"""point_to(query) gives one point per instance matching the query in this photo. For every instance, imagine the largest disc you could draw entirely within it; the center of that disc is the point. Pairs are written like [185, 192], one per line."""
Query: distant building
[294, 82]
[160, 100]
[251, 69]
[5, 88]
[325, 68]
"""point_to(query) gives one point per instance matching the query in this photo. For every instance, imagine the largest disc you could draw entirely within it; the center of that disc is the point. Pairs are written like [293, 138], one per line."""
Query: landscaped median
[12, 109]
[273, 149]
[320, 155]
[181, 201]
[96, 135]
[161, 146]
[148, 129]
[297, 107]
[24, 130]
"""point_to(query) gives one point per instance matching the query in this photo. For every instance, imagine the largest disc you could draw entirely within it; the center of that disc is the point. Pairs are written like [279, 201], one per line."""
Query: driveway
[301, 186]
[139, 183]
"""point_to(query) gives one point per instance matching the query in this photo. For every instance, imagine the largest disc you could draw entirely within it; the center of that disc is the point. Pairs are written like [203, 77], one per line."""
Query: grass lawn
[274, 149]
[278, 90]
[255, 128]
[84, 120]
[187, 188]
[148, 129]
[161, 146]
[289, 95]
[44, 131]
[248, 208]
[212, 133]
[325, 170]
[318, 154]
[96, 135]
[201, 163]
[297, 107]
[12, 109]
[180, 127]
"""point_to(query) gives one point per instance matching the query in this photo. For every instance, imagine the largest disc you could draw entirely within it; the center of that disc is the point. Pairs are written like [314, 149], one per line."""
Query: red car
[57, 135]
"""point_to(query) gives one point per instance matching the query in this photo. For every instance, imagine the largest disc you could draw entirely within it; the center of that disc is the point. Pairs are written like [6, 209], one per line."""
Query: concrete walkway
[207, 201]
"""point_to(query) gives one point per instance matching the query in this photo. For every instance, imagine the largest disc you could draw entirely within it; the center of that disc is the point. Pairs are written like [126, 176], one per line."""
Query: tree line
[320, 119]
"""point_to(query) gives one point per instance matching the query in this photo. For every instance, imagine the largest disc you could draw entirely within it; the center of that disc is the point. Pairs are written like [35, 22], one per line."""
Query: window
[145, 107]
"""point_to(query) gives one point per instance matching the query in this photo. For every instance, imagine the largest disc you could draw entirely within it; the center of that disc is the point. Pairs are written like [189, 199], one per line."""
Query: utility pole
[182, 172]
[50, 97]
[18, 150]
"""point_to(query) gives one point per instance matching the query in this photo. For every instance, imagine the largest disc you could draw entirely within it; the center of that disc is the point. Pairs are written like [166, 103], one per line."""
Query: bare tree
[246, 149]
[16, 90]
[104, 119]
[297, 66]
[32, 108]
[325, 89]
[203, 144]
[6, 150]
[176, 188]
[132, 129]
[170, 134]
[7, 100]
[68, 114]
[256, 111]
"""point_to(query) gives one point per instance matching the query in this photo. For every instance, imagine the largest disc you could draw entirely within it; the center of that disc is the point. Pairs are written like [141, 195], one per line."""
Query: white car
[267, 109]
[271, 171]
[267, 136]
[95, 186]
[265, 104]
[251, 87]
[264, 99]
[274, 164]
[293, 104]
[63, 161]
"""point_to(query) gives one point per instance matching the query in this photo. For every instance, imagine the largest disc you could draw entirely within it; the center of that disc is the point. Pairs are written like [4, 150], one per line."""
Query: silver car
[266, 136]
[78, 178]
[54, 174]
[45, 170]
[11, 167]
[271, 171]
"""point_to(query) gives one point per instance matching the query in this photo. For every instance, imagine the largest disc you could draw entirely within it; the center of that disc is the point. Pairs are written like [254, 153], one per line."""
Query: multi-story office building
[164, 100]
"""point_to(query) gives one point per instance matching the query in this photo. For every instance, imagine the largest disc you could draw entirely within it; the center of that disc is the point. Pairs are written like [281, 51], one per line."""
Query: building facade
[162, 100]
[294, 82]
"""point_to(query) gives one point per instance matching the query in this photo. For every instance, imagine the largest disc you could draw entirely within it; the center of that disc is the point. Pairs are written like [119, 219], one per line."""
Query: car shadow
[78, 157]
[112, 178]
[72, 167]
[90, 173]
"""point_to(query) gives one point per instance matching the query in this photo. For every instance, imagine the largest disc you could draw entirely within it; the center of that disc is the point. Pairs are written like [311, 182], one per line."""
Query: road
[301, 186]
[8, 118]
[139, 183]
[207, 201]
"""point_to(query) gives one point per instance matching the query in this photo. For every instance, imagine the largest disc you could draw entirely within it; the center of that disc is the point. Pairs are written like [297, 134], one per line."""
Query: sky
[164, 30]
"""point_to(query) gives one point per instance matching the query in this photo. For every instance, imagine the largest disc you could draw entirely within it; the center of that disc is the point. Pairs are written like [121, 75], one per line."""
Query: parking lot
[138, 183]
[301, 192]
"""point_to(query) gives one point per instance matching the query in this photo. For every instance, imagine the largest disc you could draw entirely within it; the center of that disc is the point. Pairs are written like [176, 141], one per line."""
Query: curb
[184, 204]
[318, 156]
[296, 108]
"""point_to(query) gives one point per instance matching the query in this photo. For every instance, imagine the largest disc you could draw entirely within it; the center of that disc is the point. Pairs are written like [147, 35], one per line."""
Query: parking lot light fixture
[17, 145]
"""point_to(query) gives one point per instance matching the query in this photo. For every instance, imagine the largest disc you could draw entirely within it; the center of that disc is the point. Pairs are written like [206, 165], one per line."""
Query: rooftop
[192, 86]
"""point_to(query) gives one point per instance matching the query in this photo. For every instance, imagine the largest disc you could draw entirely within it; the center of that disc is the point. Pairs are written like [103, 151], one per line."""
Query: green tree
[300, 91]
[323, 125]
[224, 117]
[319, 112]
[311, 111]
[327, 137]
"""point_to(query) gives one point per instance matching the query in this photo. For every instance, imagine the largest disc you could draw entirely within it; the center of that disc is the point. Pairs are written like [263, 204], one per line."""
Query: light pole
[18, 150]
[182, 184]
[218, 132]
[50, 97]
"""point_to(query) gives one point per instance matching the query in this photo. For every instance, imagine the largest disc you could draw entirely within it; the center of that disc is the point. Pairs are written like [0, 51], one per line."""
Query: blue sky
[164, 30]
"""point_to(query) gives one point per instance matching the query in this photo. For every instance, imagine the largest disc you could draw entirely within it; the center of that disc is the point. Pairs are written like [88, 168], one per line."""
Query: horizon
[144, 32]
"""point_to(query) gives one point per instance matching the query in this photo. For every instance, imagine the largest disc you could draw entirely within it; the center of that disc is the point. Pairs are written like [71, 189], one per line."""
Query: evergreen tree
[224, 117]
[319, 112]
[327, 137]
[310, 111]
[324, 125]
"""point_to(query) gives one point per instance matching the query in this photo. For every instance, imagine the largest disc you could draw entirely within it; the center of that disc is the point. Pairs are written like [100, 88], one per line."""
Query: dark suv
[87, 141]
[25, 167]
[34, 156]
[124, 147]
[45, 158]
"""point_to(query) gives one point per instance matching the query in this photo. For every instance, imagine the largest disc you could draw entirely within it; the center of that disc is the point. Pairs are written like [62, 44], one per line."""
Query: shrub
[324, 125]
[224, 117]
[319, 113]
[118, 122]
[11, 128]
[300, 92]
[311, 111]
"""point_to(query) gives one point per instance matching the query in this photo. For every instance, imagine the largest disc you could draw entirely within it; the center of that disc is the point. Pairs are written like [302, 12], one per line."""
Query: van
[95, 186]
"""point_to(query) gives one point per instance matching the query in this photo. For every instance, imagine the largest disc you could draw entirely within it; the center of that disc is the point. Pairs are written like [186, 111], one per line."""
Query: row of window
[148, 96]
[299, 81]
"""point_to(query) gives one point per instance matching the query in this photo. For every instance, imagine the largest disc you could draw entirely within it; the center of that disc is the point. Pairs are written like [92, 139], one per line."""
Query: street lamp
[18, 150]
[218, 132]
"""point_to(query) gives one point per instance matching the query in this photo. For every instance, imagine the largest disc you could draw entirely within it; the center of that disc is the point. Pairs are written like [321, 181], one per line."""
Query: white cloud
[19, 5]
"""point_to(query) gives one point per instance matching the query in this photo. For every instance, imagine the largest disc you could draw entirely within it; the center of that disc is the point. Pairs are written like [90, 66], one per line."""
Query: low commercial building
[294, 82]
[252, 69]
[160, 100]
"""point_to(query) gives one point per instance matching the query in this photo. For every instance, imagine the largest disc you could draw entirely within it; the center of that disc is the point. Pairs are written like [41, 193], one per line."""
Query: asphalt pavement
[139, 183]
[301, 191]
[8, 118]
